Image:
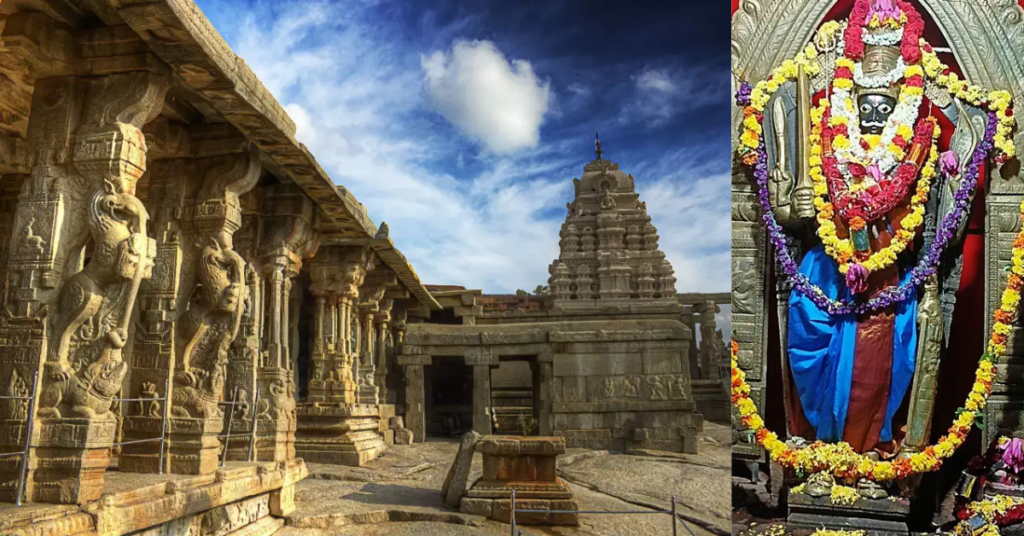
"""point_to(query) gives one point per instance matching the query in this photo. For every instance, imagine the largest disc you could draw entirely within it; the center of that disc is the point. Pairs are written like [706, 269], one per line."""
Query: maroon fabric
[872, 370]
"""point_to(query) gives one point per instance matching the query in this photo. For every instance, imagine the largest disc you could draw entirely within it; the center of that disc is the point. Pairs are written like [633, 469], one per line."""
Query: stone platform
[241, 499]
[528, 466]
[338, 433]
[876, 517]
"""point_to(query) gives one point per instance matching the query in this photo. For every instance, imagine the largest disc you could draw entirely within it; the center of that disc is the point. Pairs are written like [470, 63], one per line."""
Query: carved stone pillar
[212, 322]
[244, 354]
[332, 426]
[66, 321]
[381, 361]
[694, 361]
[708, 367]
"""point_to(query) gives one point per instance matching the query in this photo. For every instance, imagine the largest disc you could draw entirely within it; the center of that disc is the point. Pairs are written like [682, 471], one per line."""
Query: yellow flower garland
[839, 459]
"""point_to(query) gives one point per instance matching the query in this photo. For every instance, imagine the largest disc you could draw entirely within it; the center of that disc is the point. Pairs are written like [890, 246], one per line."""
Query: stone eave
[396, 261]
[179, 33]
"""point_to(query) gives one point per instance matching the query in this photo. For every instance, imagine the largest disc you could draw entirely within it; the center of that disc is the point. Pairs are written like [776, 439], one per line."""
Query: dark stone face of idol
[874, 111]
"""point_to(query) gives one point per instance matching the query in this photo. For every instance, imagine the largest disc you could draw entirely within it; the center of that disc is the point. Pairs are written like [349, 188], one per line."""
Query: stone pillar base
[339, 434]
[141, 457]
[275, 439]
[193, 446]
[68, 463]
[331, 391]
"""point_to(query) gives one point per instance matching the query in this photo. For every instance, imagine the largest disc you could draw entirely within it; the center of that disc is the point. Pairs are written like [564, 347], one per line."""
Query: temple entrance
[449, 397]
[513, 392]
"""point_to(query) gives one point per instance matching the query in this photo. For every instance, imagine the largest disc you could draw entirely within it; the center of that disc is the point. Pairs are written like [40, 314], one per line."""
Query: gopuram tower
[609, 248]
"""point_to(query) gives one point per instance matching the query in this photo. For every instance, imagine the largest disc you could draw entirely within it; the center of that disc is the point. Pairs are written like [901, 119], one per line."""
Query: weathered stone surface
[526, 465]
[403, 436]
[456, 483]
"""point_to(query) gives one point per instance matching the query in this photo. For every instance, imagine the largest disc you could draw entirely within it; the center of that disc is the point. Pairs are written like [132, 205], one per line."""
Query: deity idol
[857, 176]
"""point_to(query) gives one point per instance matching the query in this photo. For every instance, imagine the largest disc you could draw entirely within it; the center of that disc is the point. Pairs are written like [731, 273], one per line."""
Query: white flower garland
[882, 39]
[904, 113]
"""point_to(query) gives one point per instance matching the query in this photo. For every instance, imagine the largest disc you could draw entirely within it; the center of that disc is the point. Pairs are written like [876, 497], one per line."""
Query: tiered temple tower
[609, 248]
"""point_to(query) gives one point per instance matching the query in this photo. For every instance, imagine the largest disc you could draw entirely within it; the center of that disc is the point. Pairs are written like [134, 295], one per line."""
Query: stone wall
[599, 384]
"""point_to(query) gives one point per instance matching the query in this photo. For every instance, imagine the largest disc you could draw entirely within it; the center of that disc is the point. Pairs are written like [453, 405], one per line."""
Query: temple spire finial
[597, 145]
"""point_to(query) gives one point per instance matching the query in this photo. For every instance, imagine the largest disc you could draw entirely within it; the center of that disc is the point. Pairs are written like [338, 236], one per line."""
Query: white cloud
[499, 103]
[660, 94]
[655, 80]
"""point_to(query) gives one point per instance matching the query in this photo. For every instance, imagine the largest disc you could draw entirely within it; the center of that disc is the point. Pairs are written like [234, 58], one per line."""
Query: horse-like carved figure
[211, 324]
[90, 324]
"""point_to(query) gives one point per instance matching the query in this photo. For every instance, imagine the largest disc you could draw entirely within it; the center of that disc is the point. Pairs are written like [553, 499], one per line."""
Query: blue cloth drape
[821, 350]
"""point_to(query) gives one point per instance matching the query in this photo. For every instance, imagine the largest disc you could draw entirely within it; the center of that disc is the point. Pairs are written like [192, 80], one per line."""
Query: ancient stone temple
[178, 272]
[603, 359]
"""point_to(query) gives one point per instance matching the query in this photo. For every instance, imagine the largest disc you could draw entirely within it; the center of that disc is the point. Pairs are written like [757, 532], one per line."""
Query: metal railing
[163, 425]
[231, 416]
[23, 454]
[676, 518]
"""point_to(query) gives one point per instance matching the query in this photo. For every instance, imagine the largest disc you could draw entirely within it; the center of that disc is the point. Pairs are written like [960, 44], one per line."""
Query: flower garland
[926, 266]
[840, 460]
[842, 249]
[850, 149]
[752, 153]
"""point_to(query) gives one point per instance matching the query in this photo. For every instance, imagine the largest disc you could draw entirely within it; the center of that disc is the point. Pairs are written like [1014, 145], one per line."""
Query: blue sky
[462, 124]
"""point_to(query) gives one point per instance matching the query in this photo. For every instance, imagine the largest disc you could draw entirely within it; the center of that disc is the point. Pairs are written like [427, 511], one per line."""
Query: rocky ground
[399, 494]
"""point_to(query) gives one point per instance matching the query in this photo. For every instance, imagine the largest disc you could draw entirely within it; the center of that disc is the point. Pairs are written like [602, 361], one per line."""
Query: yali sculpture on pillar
[860, 151]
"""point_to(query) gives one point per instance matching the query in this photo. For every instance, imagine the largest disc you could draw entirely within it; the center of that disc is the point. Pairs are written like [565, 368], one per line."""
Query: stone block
[619, 419]
[282, 501]
[569, 389]
[477, 507]
[501, 512]
[663, 361]
[591, 439]
[456, 483]
[598, 364]
[521, 337]
[403, 436]
[872, 516]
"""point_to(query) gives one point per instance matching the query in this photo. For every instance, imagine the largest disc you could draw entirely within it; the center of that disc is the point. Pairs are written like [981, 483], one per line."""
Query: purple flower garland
[926, 266]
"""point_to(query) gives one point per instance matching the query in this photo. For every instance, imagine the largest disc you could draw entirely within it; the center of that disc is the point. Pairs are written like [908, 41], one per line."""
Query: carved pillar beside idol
[66, 321]
[332, 426]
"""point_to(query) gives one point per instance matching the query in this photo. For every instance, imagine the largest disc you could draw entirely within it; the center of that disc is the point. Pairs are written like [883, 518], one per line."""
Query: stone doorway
[513, 396]
[448, 400]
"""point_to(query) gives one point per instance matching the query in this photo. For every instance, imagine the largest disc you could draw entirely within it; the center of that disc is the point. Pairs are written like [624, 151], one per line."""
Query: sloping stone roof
[179, 33]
